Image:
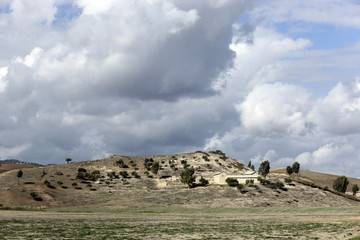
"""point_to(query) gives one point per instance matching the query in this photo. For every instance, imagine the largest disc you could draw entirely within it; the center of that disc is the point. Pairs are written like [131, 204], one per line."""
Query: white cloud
[334, 12]
[3, 81]
[275, 109]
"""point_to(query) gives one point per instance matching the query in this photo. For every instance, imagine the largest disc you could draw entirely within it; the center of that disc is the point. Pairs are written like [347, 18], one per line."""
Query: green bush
[124, 174]
[240, 186]
[288, 180]
[340, 184]
[232, 182]
[47, 183]
[203, 181]
[35, 196]
[155, 167]
[187, 176]
[148, 162]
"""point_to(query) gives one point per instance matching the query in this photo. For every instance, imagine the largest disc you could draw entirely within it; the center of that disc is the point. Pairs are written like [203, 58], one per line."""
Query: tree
[296, 167]
[19, 175]
[289, 170]
[252, 167]
[355, 189]
[187, 176]
[264, 168]
[68, 160]
[249, 164]
[155, 167]
[340, 184]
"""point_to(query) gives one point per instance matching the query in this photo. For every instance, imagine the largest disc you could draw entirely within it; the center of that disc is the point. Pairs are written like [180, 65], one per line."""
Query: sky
[260, 80]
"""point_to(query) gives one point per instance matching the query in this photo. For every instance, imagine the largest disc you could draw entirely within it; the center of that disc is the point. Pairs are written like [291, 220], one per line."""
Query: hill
[320, 179]
[104, 184]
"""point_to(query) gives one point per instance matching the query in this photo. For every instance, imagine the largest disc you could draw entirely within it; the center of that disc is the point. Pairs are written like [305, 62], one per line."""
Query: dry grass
[182, 223]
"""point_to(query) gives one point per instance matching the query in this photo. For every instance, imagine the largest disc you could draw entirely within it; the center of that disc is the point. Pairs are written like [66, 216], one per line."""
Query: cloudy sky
[261, 80]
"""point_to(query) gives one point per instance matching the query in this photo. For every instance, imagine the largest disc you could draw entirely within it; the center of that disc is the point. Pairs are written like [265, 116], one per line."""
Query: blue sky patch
[66, 13]
[323, 36]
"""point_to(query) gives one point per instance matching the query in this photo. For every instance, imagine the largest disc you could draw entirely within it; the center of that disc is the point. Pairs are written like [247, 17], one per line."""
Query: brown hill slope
[320, 179]
[142, 187]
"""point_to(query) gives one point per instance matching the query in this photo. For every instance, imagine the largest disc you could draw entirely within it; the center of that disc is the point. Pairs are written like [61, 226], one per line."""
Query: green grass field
[182, 223]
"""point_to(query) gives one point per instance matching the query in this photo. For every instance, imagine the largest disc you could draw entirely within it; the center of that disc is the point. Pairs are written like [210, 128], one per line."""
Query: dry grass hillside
[123, 182]
[320, 179]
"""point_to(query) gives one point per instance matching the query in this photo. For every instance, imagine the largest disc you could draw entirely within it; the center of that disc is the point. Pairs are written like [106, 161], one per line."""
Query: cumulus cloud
[275, 109]
[87, 79]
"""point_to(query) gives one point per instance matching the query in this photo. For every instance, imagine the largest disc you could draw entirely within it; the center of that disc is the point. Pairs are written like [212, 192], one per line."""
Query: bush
[340, 184]
[203, 181]
[355, 189]
[155, 167]
[60, 183]
[47, 183]
[81, 170]
[135, 174]
[74, 184]
[240, 186]
[232, 182]
[148, 163]
[124, 174]
[249, 181]
[35, 196]
[288, 180]
[187, 176]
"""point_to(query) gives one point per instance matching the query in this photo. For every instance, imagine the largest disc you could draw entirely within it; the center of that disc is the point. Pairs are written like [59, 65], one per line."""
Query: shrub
[240, 186]
[155, 167]
[288, 180]
[340, 184]
[206, 158]
[74, 184]
[203, 181]
[249, 181]
[60, 183]
[289, 170]
[47, 183]
[355, 189]
[124, 174]
[148, 163]
[83, 170]
[135, 174]
[35, 196]
[232, 182]
[187, 176]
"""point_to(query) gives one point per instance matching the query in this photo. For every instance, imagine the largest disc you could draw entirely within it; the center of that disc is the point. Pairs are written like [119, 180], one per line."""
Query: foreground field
[182, 223]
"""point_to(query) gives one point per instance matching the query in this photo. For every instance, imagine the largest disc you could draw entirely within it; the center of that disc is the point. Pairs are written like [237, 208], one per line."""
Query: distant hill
[320, 179]
[153, 181]
[15, 161]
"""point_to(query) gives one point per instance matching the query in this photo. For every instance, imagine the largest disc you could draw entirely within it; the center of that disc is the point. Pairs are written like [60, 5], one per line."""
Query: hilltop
[105, 185]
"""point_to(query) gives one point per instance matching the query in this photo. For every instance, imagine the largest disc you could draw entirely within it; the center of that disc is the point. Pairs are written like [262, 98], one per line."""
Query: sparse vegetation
[124, 174]
[148, 162]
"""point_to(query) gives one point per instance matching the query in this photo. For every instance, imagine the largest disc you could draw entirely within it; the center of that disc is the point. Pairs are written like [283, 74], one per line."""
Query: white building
[220, 178]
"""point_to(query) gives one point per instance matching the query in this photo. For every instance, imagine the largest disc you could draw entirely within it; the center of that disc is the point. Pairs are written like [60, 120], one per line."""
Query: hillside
[320, 179]
[143, 188]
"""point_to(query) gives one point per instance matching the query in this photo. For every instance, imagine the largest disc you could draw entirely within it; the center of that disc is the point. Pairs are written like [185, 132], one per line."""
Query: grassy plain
[182, 223]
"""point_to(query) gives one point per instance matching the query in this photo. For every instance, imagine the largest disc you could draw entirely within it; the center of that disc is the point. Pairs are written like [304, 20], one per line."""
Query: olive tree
[340, 184]
[264, 168]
